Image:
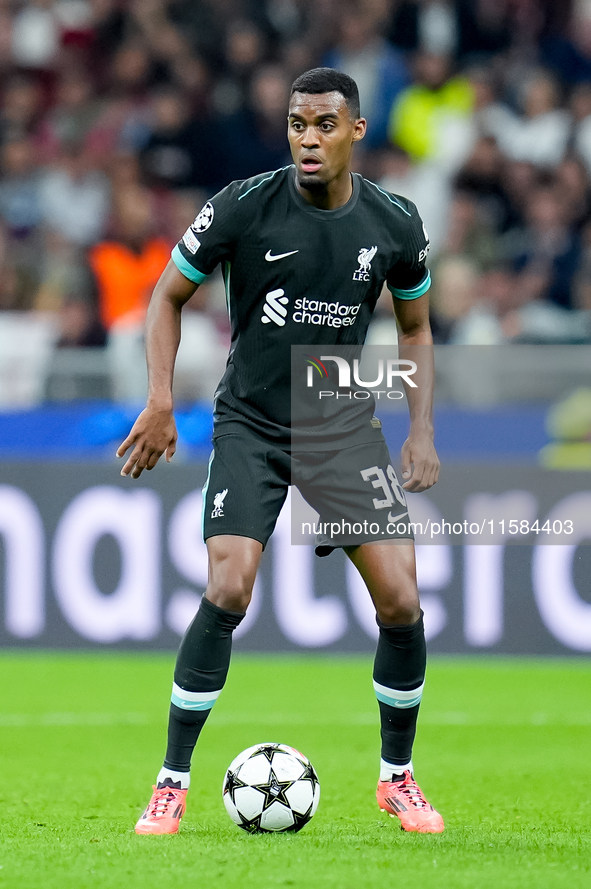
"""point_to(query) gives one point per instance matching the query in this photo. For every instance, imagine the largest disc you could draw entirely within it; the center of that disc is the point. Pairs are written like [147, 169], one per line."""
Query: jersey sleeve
[409, 277]
[210, 239]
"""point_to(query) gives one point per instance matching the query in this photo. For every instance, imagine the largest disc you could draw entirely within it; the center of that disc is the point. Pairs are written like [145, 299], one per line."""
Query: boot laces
[162, 799]
[412, 792]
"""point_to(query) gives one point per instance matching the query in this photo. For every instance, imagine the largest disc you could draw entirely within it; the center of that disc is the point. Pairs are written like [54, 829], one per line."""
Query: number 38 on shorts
[387, 482]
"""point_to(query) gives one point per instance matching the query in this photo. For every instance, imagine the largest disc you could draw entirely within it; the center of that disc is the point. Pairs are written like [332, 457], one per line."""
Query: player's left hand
[420, 463]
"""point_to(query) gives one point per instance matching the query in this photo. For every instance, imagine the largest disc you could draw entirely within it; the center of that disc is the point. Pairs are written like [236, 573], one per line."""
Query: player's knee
[402, 609]
[231, 596]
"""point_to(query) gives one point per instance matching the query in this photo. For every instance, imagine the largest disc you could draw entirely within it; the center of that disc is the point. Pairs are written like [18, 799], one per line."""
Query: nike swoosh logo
[270, 258]
[396, 518]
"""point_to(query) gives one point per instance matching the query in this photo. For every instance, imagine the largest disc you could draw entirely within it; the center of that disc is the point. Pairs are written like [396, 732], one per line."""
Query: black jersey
[297, 275]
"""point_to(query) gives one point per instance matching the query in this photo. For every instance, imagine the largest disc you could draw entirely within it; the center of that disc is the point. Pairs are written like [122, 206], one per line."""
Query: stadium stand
[113, 110]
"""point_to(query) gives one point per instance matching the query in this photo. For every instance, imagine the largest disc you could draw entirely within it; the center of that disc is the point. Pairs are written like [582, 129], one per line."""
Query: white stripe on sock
[183, 777]
[388, 770]
[194, 696]
[395, 698]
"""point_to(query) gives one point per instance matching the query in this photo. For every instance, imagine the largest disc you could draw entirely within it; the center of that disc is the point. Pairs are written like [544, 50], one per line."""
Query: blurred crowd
[119, 117]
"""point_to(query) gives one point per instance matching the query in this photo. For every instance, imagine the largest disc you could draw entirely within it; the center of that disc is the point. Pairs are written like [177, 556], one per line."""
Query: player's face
[321, 135]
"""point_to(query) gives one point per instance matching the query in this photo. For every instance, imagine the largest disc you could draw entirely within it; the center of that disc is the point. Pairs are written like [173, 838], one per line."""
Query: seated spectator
[519, 180]
[456, 315]
[75, 197]
[470, 233]
[125, 107]
[547, 239]
[482, 178]
[378, 69]
[72, 118]
[127, 266]
[541, 133]
[20, 207]
[253, 138]
[63, 273]
[21, 108]
[484, 28]
[20, 214]
[79, 325]
[201, 25]
[431, 26]
[244, 51]
[431, 118]
[178, 151]
[426, 185]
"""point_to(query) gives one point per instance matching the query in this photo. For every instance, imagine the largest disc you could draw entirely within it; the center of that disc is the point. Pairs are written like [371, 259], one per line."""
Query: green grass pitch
[503, 751]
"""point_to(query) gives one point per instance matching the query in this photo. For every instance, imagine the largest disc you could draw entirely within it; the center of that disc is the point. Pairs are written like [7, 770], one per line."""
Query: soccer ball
[271, 788]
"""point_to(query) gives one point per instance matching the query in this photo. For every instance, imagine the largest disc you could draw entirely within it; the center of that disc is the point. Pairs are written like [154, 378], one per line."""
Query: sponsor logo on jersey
[218, 504]
[190, 241]
[324, 314]
[274, 308]
[307, 311]
[366, 254]
[426, 248]
[270, 258]
[204, 219]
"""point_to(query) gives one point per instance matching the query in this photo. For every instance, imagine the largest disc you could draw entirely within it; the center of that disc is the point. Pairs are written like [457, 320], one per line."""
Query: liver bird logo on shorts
[218, 504]
[366, 254]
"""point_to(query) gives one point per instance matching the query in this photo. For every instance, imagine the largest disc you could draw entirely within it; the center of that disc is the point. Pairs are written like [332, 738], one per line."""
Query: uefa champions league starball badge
[204, 219]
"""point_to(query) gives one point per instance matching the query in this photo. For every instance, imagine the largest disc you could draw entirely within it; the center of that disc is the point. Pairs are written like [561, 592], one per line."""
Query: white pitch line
[16, 720]
[107, 720]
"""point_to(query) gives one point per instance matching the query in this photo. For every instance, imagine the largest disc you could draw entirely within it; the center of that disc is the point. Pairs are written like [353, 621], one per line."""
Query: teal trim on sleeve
[414, 292]
[185, 268]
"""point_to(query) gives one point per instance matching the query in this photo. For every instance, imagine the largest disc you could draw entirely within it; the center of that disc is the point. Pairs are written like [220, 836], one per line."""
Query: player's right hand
[153, 434]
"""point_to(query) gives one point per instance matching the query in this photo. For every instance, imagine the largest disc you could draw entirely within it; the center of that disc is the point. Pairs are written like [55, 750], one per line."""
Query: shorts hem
[238, 532]
[323, 549]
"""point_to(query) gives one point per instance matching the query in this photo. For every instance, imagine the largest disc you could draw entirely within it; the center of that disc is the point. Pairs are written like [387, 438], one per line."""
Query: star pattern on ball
[274, 790]
[232, 782]
[309, 773]
[267, 751]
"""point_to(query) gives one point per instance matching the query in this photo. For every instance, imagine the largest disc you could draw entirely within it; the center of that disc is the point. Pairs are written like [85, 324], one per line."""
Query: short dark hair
[328, 80]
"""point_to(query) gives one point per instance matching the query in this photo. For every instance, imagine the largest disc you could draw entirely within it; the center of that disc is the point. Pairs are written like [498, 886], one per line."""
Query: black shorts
[354, 490]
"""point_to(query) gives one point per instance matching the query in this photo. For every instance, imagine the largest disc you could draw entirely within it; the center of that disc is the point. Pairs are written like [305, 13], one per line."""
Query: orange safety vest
[126, 279]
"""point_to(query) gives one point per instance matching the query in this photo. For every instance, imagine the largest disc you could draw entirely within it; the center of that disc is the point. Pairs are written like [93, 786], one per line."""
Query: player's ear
[359, 129]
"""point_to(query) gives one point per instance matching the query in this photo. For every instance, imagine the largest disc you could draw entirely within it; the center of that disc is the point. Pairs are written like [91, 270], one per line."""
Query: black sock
[201, 669]
[399, 668]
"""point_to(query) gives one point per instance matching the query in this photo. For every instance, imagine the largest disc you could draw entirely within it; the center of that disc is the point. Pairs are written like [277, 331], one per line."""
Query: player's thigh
[233, 565]
[246, 487]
